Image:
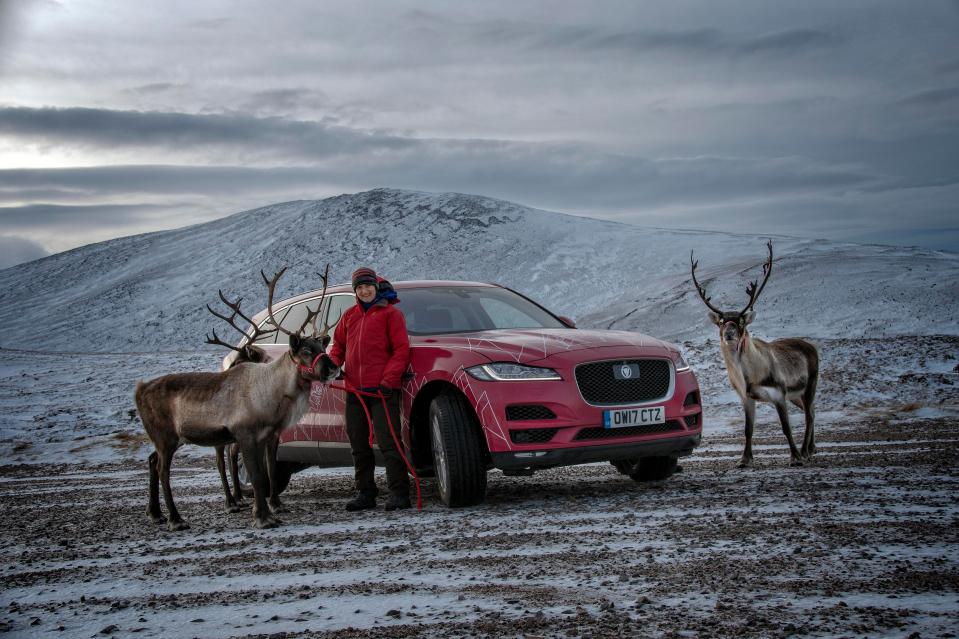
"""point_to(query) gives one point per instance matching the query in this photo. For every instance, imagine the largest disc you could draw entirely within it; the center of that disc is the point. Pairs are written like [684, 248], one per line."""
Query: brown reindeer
[246, 352]
[249, 404]
[778, 371]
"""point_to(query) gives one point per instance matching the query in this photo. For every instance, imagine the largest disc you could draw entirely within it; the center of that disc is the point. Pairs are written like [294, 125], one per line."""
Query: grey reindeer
[784, 370]
[249, 404]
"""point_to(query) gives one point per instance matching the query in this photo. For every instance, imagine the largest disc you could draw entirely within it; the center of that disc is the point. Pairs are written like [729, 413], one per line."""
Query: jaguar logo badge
[626, 371]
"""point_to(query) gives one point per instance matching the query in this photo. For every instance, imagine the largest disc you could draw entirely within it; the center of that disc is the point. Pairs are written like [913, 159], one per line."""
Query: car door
[324, 421]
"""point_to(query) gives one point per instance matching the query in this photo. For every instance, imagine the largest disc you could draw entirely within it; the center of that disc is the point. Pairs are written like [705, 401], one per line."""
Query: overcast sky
[818, 119]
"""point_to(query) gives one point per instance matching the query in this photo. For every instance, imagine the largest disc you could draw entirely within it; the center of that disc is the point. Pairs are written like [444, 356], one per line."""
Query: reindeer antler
[231, 320]
[699, 288]
[752, 290]
[311, 316]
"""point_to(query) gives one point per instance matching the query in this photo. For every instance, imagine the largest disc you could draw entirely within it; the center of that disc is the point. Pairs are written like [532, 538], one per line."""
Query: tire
[459, 458]
[654, 468]
[624, 466]
[284, 472]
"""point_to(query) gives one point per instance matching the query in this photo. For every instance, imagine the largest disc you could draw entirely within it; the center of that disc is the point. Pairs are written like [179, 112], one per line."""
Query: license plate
[623, 417]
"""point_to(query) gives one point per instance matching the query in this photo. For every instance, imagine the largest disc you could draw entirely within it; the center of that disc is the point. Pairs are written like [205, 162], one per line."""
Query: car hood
[531, 345]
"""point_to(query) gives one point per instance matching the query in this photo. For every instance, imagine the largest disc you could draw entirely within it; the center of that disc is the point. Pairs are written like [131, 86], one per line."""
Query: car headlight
[681, 363]
[503, 372]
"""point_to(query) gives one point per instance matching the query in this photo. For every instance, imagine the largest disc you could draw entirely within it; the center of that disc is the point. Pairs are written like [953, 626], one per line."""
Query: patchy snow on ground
[861, 542]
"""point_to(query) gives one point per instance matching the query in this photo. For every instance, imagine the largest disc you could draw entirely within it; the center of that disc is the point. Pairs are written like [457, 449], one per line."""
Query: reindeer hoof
[234, 508]
[265, 523]
[278, 508]
[744, 463]
[178, 525]
[796, 462]
[157, 519]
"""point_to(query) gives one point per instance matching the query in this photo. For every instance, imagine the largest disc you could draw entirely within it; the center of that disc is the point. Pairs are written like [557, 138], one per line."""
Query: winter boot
[363, 501]
[397, 502]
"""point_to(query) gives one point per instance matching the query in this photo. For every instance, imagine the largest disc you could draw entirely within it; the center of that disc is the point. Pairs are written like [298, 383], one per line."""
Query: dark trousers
[358, 430]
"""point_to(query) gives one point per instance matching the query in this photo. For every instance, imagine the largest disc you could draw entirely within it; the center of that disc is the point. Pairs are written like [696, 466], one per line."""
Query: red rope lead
[389, 422]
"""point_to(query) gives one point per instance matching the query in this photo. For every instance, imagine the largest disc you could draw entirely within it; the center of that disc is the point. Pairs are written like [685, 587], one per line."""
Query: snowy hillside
[148, 292]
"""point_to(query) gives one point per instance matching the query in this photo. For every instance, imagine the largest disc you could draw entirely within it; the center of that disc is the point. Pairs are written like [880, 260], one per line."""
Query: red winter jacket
[373, 344]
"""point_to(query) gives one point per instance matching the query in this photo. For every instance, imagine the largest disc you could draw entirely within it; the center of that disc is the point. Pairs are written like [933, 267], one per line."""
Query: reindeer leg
[153, 505]
[234, 454]
[174, 521]
[276, 506]
[809, 438]
[749, 407]
[795, 459]
[253, 460]
[231, 505]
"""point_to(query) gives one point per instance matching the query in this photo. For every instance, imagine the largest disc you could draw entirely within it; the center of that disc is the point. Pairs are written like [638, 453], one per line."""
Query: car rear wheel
[458, 452]
[647, 468]
[284, 472]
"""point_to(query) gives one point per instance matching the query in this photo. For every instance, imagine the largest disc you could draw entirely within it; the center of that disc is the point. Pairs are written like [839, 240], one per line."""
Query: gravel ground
[860, 543]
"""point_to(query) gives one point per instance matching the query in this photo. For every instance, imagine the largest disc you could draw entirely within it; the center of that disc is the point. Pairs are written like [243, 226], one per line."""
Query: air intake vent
[692, 420]
[532, 435]
[598, 432]
[624, 381]
[692, 399]
[523, 412]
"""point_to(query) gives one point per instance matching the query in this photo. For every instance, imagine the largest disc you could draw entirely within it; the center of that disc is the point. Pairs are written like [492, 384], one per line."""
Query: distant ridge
[148, 292]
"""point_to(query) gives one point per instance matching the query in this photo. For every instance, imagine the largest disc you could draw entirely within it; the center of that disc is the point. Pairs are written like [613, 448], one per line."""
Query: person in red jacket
[372, 342]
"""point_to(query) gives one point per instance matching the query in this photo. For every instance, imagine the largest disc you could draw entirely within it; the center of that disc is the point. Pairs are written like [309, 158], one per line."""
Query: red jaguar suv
[497, 381]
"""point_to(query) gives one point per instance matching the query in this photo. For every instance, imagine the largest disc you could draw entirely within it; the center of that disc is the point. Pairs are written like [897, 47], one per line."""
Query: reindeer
[248, 404]
[778, 371]
[249, 353]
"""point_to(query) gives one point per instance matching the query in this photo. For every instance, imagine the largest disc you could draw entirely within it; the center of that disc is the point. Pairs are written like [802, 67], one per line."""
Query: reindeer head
[732, 324]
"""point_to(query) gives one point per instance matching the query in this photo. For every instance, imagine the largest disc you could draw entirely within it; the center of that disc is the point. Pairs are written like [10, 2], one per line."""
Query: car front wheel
[458, 452]
[647, 468]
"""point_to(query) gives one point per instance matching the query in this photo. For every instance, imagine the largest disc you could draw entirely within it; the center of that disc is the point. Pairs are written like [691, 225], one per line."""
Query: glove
[386, 391]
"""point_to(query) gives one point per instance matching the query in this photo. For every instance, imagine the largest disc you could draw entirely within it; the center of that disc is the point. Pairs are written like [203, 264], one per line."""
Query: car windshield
[466, 309]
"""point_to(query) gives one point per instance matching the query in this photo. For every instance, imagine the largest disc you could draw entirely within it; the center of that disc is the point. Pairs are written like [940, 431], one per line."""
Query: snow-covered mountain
[148, 292]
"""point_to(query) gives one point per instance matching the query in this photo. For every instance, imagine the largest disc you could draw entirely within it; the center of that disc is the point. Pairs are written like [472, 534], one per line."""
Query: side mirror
[567, 321]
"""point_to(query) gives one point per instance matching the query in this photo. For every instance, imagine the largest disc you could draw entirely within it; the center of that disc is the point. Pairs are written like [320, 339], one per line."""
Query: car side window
[297, 315]
[335, 309]
[267, 325]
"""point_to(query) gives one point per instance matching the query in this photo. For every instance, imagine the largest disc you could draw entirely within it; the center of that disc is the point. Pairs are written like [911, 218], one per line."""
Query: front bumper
[519, 460]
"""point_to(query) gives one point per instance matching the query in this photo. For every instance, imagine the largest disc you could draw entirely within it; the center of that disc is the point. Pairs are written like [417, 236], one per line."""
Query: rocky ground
[863, 542]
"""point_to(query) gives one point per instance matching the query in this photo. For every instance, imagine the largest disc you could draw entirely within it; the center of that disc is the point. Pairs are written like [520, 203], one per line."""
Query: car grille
[598, 432]
[532, 435]
[598, 384]
[522, 412]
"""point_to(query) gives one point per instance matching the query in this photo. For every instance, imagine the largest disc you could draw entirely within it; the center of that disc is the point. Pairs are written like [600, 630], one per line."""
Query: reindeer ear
[326, 341]
[748, 316]
[715, 318]
[295, 342]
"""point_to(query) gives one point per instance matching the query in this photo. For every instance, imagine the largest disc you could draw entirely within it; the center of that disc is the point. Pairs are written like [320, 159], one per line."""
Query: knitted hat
[363, 275]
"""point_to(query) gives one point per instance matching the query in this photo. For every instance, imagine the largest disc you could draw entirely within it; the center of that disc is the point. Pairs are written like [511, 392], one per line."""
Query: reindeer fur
[248, 404]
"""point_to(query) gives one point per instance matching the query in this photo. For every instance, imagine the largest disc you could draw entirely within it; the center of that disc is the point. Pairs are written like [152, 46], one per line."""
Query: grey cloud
[934, 97]
[790, 40]
[16, 250]
[212, 24]
[292, 100]
[157, 87]
[703, 41]
[54, 215]
[108, 128]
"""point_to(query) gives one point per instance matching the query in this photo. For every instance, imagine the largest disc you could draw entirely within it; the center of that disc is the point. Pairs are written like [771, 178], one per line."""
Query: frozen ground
[862, 543]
